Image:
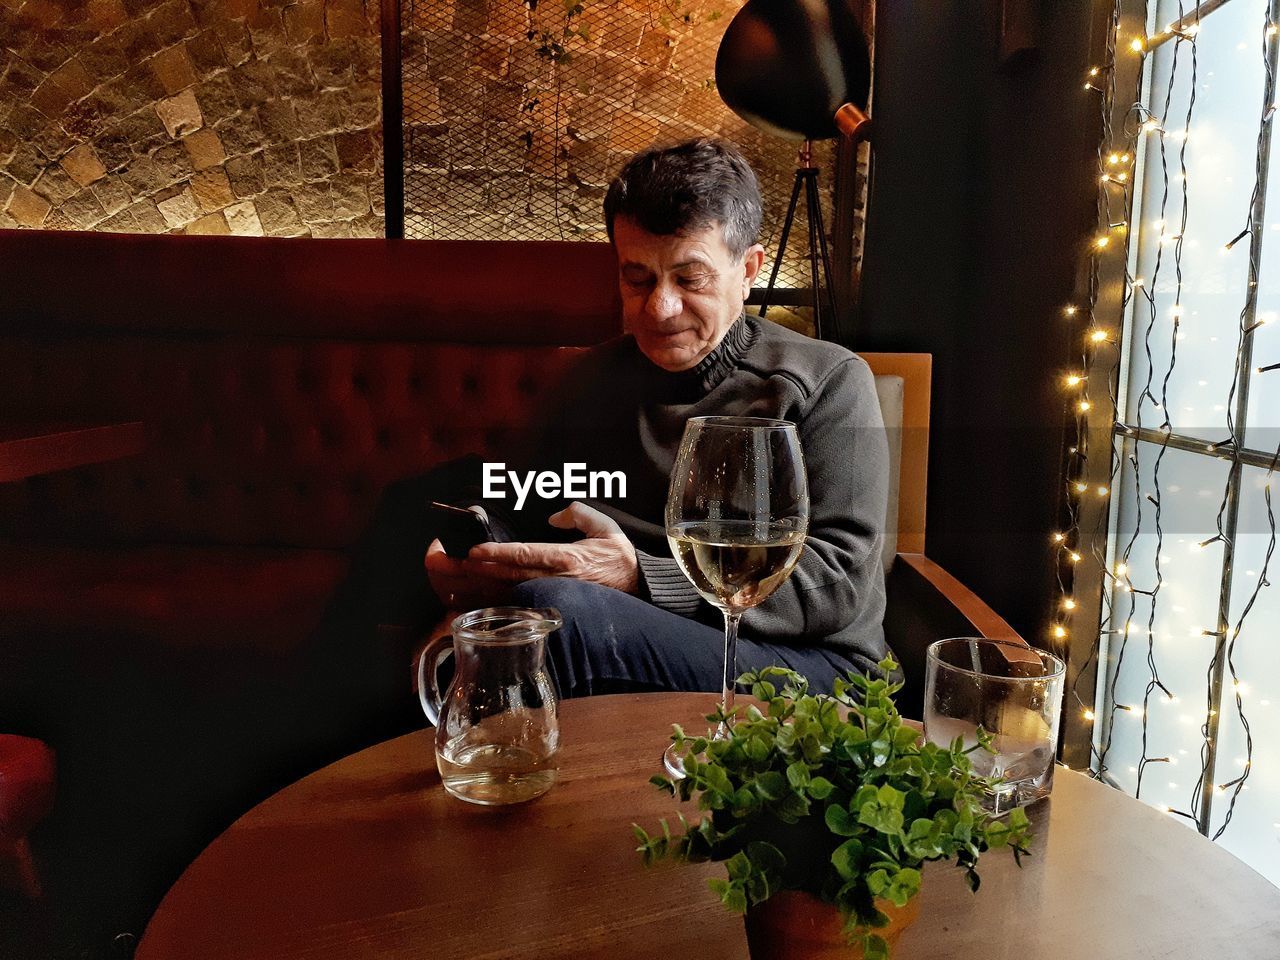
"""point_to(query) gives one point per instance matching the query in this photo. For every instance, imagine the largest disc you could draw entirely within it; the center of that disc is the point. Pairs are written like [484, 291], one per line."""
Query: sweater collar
[716, 365]
[710, 371]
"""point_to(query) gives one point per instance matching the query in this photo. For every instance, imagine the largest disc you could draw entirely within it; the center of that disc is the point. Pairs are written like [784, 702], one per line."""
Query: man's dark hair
[689, 186]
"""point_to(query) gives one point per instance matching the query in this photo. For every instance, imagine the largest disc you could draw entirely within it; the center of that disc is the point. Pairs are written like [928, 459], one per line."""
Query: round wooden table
[369, 858]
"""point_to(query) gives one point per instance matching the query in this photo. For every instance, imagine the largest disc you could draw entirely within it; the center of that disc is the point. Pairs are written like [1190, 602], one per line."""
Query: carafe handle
[429, 661]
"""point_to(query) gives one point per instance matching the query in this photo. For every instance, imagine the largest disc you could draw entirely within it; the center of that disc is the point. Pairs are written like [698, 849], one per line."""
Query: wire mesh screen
[518, 112]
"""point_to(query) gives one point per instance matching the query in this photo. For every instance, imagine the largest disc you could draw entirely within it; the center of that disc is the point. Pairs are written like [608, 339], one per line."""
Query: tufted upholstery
[283, 384]
[282, 430]
[152, 607]
[257, 441]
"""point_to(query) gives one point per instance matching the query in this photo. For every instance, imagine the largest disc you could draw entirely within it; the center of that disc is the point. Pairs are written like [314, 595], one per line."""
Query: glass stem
[730, 660]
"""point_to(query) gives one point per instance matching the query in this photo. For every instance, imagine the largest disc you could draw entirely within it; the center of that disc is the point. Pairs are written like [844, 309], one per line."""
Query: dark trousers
[612, 642]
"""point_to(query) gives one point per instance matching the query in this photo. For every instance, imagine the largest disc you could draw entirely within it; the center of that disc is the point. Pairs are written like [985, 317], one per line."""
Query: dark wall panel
[982, 186]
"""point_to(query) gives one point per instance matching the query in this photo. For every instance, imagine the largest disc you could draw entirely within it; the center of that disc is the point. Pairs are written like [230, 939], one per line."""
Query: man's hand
[457, 588]
[605, 556]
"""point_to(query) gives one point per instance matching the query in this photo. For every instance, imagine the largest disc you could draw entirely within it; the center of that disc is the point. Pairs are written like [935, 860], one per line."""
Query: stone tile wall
[517, 115]
[244, 117]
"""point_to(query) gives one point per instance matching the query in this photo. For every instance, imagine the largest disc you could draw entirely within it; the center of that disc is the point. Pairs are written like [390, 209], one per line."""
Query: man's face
[680, 293]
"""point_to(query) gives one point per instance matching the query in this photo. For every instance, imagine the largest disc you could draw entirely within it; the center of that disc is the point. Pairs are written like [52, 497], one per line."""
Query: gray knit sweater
[619, 411]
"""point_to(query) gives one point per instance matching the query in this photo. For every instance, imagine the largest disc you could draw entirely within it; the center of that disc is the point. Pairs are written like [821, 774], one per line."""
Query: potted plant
[823, 810]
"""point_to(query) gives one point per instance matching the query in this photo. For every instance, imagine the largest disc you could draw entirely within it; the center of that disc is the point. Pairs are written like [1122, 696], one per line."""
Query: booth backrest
[283, 382]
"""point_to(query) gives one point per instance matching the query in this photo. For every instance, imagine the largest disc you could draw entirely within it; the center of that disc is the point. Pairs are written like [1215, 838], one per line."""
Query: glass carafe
[497, 730]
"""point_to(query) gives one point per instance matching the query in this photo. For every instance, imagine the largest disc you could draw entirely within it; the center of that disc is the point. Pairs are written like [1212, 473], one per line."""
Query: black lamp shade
[787, 66]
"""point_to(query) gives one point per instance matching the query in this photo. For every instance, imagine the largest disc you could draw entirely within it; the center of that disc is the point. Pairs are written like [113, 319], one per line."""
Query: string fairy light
[1162, 135]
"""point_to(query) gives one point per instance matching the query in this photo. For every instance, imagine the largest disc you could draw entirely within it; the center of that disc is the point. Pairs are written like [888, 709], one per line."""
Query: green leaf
[881, 813]
[1018, 819]
[658, 780]
[878, 881]
[905, 737]
[971, 877]
[874, 947]
[820, 788]
[793, 807]
[845, 859]
[772, 785]
[839, 821]
[757, 748]
[798, 774]
[904, 886]
[891, 798]
[765, 857]
[764, 690]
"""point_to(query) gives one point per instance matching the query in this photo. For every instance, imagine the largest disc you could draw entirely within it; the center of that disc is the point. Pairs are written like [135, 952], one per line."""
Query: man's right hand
[460, 590]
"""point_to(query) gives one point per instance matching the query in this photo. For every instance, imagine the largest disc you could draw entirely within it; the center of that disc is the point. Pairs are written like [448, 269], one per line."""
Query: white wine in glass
[737, 515]
[735, 564]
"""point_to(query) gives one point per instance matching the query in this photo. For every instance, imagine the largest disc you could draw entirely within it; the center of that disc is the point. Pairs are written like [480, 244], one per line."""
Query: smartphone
[461, 528]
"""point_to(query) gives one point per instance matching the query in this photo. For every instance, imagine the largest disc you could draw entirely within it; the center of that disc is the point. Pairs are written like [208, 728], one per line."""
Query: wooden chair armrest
[926, 603]
[946, 589]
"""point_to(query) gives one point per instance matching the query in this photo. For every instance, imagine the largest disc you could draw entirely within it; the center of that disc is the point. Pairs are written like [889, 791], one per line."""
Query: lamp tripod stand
[806, 178]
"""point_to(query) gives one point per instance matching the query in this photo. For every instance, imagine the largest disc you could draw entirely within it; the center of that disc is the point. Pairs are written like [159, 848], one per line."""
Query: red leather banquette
[283, 384]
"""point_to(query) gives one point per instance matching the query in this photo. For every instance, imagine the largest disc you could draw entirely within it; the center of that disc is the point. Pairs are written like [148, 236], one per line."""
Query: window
[1188, 696]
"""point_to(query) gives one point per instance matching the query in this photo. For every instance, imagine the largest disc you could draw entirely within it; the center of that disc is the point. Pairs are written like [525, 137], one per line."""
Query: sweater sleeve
[664, 584]
[836, 591]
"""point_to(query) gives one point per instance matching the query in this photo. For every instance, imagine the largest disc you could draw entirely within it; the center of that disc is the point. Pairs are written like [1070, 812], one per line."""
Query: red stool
[26, 796]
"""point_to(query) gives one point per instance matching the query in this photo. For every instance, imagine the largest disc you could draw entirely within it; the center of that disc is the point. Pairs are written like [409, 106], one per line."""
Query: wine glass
[737, 514]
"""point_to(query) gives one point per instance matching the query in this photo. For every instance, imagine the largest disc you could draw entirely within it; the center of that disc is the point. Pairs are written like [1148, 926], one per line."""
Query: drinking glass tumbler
[1012, 692]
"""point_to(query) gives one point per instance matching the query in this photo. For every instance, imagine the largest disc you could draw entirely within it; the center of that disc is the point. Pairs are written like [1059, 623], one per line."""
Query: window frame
[1092, 634]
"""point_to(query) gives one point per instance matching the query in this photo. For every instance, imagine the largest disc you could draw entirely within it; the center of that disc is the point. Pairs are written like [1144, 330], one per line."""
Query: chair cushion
[26, 784]
[889, 390]
[259, 600]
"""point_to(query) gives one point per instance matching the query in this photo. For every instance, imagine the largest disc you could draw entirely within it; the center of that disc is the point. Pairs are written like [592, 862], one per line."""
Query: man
[684, 222]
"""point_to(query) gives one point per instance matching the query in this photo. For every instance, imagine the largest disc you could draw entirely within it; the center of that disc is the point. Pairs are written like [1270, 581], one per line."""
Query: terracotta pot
[792, 925]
